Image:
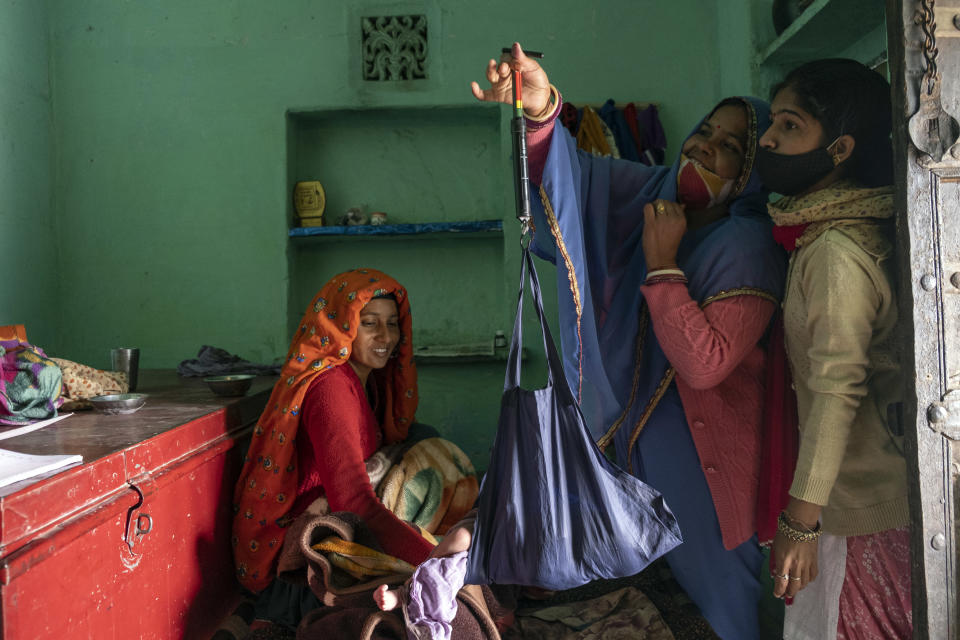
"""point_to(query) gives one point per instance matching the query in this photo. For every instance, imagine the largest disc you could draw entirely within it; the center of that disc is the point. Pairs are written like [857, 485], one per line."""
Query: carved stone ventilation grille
[394, 47]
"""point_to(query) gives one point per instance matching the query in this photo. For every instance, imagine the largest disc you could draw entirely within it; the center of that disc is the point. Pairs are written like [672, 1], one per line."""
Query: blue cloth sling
[553, 511]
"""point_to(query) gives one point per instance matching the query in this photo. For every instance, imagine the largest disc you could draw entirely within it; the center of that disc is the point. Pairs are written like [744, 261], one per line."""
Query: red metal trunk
[135, 543]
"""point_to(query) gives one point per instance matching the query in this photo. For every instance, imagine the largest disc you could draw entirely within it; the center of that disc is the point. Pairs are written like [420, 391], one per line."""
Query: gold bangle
[552, 105]
[797, 524]
[663, 272]
[794, 534]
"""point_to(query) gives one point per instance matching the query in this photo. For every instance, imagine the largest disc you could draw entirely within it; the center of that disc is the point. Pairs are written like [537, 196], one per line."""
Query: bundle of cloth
[431, 485]
[213, 361]
[33, 386]
[82, 382]
[632, 132]
[30, 383]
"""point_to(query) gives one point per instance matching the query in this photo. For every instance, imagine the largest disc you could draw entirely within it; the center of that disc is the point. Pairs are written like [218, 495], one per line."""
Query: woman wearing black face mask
[828, 152]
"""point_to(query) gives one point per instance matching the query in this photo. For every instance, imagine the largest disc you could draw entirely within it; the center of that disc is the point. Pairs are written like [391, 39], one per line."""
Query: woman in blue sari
[667, 280]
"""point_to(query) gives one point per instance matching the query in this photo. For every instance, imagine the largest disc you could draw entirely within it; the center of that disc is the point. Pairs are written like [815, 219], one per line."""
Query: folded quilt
[433, 486]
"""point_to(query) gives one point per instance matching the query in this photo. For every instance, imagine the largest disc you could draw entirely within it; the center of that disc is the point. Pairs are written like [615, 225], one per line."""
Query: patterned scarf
[268, 482]
[862, 214]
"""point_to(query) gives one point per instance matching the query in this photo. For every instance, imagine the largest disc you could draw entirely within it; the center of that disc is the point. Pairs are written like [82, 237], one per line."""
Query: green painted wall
[176, 156]
[29, 273]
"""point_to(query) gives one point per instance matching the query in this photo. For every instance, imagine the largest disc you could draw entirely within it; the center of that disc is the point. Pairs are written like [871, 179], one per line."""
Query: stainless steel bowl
[119, 403]
[234, 385]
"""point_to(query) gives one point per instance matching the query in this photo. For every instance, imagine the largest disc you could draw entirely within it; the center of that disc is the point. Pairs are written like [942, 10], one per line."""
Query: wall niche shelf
[463, 353]
[439, 172]
[826, 25]
[472, 229]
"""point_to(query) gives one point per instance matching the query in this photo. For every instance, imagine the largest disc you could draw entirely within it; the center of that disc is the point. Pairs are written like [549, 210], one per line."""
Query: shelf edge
[492, 226]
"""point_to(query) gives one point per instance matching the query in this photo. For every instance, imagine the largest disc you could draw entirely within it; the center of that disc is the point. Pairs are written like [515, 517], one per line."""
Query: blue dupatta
[590, 223]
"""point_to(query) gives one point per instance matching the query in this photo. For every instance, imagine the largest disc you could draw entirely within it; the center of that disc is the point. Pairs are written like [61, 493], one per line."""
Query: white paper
[11, 431]
[15, 467]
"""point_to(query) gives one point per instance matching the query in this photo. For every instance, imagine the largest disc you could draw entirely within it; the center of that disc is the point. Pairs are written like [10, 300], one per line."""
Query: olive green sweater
[840, 316]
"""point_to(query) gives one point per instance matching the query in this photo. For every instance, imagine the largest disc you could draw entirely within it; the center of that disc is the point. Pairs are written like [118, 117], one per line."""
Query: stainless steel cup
[126, 359]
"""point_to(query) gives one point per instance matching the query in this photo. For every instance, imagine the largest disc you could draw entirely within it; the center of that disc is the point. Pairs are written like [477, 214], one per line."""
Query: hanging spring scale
[521, 175]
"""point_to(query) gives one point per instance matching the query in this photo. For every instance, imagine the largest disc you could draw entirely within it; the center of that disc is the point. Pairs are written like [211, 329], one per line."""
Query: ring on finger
[660, 208]
[781, 576]
[792, 579]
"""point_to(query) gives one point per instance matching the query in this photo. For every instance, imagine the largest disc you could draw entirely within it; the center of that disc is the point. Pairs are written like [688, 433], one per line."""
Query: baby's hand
[387, 599]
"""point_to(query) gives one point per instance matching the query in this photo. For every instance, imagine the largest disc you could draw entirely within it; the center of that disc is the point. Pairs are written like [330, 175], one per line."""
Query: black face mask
[790, 175]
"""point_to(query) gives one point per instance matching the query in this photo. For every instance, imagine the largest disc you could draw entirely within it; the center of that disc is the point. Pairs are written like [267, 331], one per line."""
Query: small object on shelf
[464, 228]
[474, 352]
[378, 218]
[230, 386]
[786, 11]
[353, 217]
[309, 201]
[119, 403]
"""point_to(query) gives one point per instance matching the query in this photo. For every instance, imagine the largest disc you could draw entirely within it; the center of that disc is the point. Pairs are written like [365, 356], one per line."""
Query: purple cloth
[432, 597]
[654, 138]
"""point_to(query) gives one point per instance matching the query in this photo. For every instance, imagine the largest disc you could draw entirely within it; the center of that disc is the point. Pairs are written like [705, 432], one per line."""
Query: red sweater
[720, 377]
[338, 431]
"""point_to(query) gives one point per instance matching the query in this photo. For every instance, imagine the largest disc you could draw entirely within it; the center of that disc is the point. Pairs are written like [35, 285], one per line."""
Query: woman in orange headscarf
[324, 419]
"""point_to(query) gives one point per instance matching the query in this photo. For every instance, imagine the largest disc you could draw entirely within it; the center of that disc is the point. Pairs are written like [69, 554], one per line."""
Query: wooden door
[924, 48]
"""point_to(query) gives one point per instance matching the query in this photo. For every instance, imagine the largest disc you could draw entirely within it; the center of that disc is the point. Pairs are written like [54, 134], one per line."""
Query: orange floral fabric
[267, 486]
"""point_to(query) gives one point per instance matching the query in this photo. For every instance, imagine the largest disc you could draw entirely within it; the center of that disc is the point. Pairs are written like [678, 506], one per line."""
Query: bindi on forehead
[740, 136]
[730, 119]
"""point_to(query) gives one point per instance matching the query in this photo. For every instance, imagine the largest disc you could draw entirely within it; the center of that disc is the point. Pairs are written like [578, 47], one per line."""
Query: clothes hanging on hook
[592, 136]
[632, 132]
[617, 124]
[653, 139]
